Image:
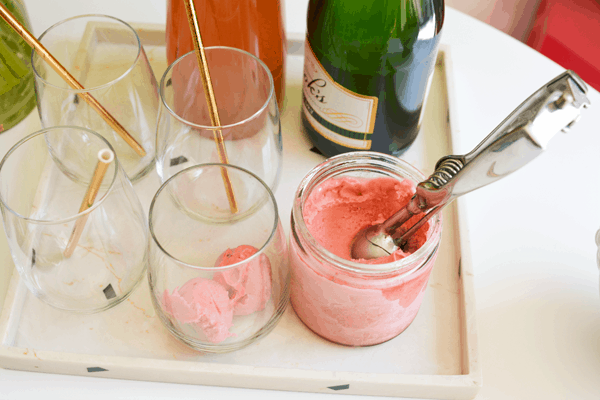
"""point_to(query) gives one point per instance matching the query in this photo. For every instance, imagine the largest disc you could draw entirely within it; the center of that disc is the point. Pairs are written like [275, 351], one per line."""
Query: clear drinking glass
[105, 56]
[247, 108]
[219, 279]
[43, 181]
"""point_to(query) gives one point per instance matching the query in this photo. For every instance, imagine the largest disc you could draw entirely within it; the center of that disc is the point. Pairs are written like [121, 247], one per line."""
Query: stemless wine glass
[43, 181]
[247, 108]
[105, 56]
[218, 275]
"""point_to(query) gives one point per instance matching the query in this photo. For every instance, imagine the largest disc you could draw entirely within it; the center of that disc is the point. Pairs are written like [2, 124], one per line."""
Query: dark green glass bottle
[368, 66]
[17, 94]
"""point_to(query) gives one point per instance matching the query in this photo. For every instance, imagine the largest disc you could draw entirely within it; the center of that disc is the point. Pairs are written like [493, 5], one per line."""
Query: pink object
[209, 305]
[567, 32]
[339, 208]
[205, 305]
[249, 285]
[354, 312]
[348, 306]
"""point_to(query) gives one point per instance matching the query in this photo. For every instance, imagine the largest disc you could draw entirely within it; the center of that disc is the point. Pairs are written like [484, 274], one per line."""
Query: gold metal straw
[64, 74]
[210, 99]
[105, 157]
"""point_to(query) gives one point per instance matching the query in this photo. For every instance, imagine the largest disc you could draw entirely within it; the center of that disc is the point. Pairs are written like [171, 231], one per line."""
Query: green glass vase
[17, 94]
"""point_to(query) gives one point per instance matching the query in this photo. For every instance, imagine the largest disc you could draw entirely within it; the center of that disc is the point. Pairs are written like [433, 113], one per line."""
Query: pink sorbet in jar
[357, 302]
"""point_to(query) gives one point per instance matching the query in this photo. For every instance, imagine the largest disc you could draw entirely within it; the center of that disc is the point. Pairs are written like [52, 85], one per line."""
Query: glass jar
[17, 96]
[349, 302]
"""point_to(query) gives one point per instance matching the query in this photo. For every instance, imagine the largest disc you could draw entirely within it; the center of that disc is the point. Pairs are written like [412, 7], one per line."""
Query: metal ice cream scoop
[520, 138]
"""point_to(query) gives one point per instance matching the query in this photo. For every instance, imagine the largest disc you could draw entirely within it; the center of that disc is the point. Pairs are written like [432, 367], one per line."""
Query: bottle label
[336, 113]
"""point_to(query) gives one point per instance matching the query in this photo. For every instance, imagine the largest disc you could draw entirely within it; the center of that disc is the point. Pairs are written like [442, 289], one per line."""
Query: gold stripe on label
[332, 136]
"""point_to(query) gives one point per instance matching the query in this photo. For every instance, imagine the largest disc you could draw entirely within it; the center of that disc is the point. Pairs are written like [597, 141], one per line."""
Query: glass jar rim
[162, 87]
[357, 161]
[96, 203]
[260, 251]
[93, 88]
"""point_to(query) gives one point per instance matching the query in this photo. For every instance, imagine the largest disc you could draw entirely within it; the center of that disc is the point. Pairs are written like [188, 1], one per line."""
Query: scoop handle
[520, 138]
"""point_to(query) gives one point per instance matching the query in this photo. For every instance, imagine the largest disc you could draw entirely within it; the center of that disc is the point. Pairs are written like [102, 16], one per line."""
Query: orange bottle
[254, 26]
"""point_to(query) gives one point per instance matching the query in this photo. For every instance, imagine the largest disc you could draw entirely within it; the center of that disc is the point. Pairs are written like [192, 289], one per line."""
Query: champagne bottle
[367, 71]
[17, 95]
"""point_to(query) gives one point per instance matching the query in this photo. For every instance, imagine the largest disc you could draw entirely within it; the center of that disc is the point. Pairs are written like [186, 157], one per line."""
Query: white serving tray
[436, 357]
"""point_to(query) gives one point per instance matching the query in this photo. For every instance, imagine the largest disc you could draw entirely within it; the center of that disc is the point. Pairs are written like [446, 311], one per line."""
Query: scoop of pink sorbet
[339, 208]
[249, 284]
[204, 304]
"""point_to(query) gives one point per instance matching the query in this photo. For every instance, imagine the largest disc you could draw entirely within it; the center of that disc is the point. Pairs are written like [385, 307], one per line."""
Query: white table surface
[532, 237]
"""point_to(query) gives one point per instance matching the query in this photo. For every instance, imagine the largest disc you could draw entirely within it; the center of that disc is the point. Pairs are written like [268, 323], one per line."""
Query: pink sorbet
[248, 285]
[347, 307]
[204, 304]
[339, 208]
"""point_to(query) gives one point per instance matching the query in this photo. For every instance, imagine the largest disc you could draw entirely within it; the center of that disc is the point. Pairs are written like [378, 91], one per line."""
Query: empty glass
[104, 54]
[219, 279]
[43, 181]
[247, 108]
